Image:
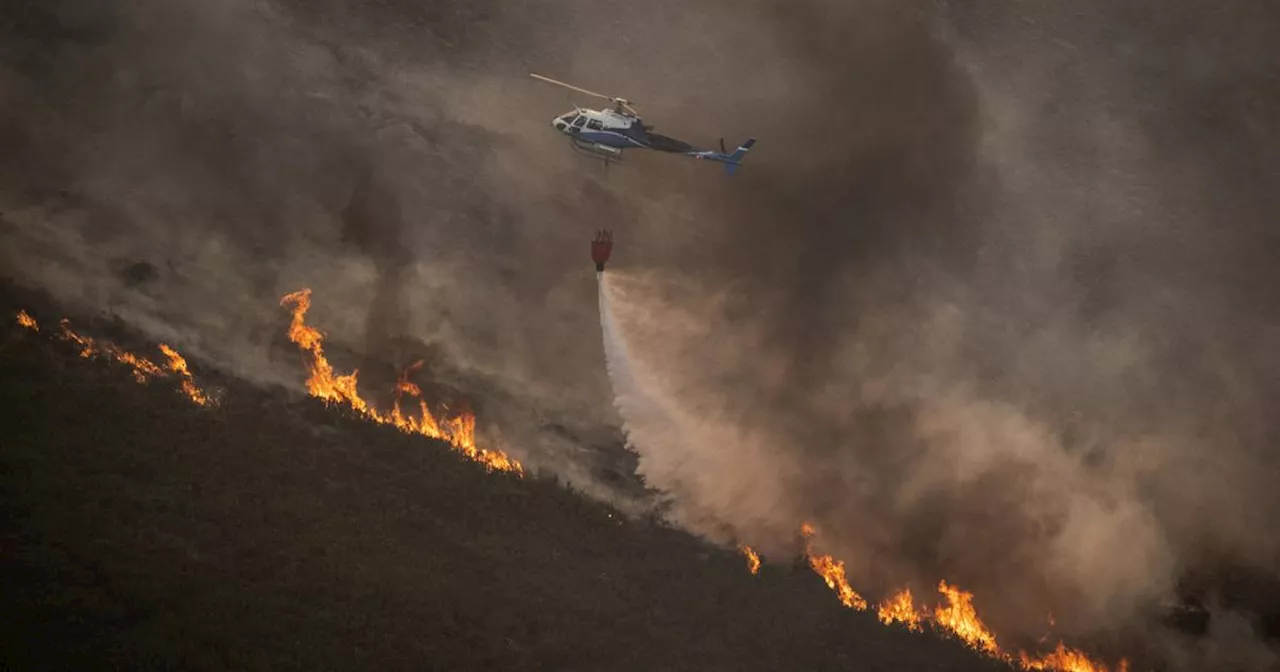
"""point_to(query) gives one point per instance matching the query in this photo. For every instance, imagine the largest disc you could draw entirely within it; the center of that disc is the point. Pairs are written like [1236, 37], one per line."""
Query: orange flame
[322, 383]
[143, 368]
[961, 618]
[178, 365]
[1066, 659]
[459, 431]
[901, 609]
[958, 617]
[27, 321]
[753, 558]
[832, 571]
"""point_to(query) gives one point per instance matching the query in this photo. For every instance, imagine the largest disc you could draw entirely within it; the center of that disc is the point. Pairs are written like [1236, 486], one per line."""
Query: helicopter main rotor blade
[622, 101]
[570, 86]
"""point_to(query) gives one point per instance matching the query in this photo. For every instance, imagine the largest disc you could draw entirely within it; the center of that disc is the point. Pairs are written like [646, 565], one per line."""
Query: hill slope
[143, 532]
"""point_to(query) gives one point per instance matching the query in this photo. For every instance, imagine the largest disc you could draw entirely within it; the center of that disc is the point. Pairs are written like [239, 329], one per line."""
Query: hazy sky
[993, 299]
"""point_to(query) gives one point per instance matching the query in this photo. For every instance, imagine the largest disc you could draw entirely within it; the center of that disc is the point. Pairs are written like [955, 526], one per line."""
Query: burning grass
[953, 616]
[753, 559]
[144, 370]
[832, 571]
[459, 431]
[900, 609]
[144, 532]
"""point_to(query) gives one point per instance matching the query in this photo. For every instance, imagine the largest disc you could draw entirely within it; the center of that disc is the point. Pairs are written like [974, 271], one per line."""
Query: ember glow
[27, 321]
[753, 558]
[459, 430]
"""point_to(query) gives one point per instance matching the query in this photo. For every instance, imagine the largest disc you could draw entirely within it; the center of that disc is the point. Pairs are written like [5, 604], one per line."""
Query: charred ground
[143, 532]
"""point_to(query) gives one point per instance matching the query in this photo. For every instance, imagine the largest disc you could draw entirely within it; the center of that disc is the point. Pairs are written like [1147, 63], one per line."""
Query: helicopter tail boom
[732, 160]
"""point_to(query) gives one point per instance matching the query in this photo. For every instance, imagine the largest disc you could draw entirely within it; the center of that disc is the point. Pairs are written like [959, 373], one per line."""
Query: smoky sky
[992, 300]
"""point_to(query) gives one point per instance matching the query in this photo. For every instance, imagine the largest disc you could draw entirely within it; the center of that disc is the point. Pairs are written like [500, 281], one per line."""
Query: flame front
[143, 369]
[459, 431]
[957, 617]
[178, 365]
[901, 609]
[322, 383]
[1063, 659]
[961, 618]
[1067, 659]
[27, 321]
[753, 558]
[832, 571]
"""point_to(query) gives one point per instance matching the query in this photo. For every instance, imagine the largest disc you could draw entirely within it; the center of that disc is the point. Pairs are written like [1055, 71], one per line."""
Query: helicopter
[604, 134]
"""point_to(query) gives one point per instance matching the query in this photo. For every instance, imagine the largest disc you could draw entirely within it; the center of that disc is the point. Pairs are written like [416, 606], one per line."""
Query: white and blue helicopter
[605, 134]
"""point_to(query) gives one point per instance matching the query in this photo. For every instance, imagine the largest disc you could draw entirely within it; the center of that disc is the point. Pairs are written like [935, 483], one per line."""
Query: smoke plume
[993, 299]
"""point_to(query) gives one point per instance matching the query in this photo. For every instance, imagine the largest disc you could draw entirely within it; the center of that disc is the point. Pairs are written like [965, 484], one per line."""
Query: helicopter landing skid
[606, 154]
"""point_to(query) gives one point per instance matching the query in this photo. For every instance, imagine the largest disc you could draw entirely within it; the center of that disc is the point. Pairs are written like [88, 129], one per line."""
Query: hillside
[141, 531]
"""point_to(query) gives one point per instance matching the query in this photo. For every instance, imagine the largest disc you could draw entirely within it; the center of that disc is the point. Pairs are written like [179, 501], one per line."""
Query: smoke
[1029, 369]
[991, 301]
[684, 441]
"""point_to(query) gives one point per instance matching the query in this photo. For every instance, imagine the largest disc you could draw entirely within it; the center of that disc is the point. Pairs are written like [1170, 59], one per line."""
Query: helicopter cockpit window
[579, 121]
[595, 125]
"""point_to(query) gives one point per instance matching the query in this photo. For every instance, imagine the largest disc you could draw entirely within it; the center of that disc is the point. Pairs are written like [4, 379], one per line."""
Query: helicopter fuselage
[605, 134]
[605, 129]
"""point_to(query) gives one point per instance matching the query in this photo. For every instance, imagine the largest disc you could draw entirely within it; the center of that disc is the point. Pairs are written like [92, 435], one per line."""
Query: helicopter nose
[557, 124]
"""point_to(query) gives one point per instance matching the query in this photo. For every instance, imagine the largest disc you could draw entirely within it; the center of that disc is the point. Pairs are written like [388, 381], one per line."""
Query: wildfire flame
[27, 321]
[900, 609]
[1066, 659]
[753, 558]
[178, 365]
[957, 617]
[961, 618]
[832, 571]
[143, 368]
[459, 431]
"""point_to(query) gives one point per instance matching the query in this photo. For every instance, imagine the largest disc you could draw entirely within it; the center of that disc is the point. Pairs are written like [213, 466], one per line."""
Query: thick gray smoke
[993, 299]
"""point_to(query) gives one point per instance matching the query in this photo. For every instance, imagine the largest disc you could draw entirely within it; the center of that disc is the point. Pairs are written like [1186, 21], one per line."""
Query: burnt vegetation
[140, 531]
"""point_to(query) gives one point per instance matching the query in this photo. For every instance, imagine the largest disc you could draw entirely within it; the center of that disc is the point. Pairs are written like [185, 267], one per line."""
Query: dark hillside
[140, 531]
